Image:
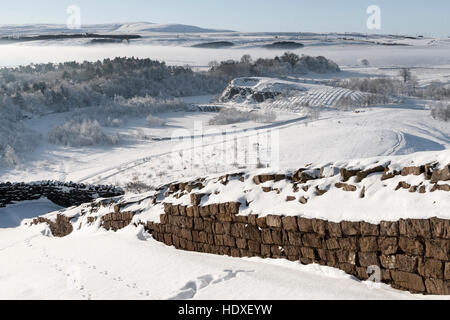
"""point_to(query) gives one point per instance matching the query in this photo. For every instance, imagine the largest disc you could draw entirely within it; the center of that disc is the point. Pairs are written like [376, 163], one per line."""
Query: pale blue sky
[398, 16]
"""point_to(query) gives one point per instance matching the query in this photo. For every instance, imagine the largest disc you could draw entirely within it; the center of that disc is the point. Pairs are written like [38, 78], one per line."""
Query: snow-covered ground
[95, 264]
[335, 135]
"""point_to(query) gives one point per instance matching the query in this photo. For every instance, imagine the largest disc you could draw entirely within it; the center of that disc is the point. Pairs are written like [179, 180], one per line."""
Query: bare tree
[405, 74]
[246, 59]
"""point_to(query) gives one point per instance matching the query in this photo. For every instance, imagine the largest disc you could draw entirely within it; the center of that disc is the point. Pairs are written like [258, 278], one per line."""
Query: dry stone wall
[64, 194]
[411, 254]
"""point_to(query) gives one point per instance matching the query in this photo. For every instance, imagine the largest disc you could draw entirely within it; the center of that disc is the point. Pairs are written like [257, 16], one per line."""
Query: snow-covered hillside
[289, 95]
[135, 27]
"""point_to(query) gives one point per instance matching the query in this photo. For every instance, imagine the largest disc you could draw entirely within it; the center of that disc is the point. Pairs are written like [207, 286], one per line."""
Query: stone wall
[411, 254]
[59, 228]
[64, 194]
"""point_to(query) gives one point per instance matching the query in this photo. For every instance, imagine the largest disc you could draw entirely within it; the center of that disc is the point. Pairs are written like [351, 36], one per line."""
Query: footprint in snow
[191, 288]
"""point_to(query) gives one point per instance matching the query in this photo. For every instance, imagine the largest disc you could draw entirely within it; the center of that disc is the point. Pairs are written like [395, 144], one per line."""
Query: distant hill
[138, 27]
[166, 28]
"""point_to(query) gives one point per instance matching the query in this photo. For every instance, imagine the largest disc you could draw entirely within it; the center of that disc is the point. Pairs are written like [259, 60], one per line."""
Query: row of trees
[289, 63]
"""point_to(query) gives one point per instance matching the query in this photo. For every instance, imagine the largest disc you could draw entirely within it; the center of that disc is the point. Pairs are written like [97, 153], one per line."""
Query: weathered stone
[290, 198]
[417, 171]
[277, 237]
[348, 244]
[441, 175]
[431, 268]
[302, 177]
[411, 246]
[389, 174]
[437, 249]
[261, 222]
[290, 223]
[235, 253]
[440, 228]
[361, 273]
[388, 245]
[350, 228]
[388, 262]
[413, 228]
[334, 229]
[447, 271]
[319, 226]
[241, 243]
[368, 229]
[367, 259]
[239, 219]
[265, 251]
[214, 209]
[364, 174]
[320, 192]
[347, 174]
[252, 219]
[238, 230]
[406, 263]
[437, 286]
[292, 252]
[273, 221]
[304, 225]
[190, 211]
[204, 211]
[368, 244]
[222, 227]
[308, 253]
[266, 235]
[332, 244]
[295, 239]
[440, 187]
[196, 198]
[408, 281]
[252, 233]
[254, 246]
[263, 178]
[344, 256]
[186, 234]
[312, 240]
[348, 268]
[233, 208]
[277, 251]
[403, 185]
[346, 187]
[388, 228]
[386, 276]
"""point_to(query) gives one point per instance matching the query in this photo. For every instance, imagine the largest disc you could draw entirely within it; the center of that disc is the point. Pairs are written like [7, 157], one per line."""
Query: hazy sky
[398, 16]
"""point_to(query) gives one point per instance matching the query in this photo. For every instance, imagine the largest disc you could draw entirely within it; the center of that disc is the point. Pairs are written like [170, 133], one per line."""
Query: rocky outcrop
[248, 93]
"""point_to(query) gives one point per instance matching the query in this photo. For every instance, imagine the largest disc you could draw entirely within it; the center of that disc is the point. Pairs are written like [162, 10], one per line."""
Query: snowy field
[38, 266]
